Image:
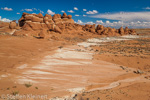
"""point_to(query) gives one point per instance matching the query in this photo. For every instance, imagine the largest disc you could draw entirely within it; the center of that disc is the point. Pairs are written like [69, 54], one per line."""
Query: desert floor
[106, 68]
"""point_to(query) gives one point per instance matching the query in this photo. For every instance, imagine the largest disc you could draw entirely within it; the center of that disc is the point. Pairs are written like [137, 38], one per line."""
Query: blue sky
[113, 13]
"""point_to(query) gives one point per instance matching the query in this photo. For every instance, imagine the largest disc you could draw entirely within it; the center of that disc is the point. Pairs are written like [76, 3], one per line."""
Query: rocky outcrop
[121, 31]
[126, 30]
[13, 24]
[101, 30]
[36, 22]
[40, 26]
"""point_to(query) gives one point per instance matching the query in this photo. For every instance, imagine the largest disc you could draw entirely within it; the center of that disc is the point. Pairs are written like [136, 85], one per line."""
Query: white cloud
[147, 8]
[17, 13]
[125, 16]
[84, 15]
[137, 24]
[7, 9]
[79, 22]
[50, 12]
[34, 9]
[28, 9]
[107, 22]
[41, 11]
[75, 8]
[118, 24]
[92, 12]
[83, 23]
[38, 10]
[90, 22]
[84, 10]
[76, 15]
[4, 19]
[62, 11]
[99, 22]
[71, 11]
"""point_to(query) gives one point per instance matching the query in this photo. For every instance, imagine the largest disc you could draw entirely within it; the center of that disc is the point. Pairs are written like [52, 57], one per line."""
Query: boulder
[67, 20]
[126, 30]
[45, 19]
[99, 32]
[35, 25]
[44, 26]
[26, 27]
[12, 25]
[93, 26]
[121, 31]
[111, 32]
[69, 16]
[39, 15]
[50, 27]
[36, 19]
[92, 30]
[49, 16]
[132, 32]
[64, 15]
[25, 14]
[42, 34]
[55, 17]
[99, 27]
[57, 29]
[28, 17]
[59, 15]
[105, 31]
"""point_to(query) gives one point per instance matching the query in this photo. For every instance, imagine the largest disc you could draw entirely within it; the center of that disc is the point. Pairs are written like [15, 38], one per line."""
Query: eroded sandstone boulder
[13, 24]
[57, 29]
[121, 31]
[126, 30]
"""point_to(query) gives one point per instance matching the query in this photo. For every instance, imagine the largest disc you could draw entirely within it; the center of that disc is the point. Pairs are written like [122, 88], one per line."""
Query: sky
[110, 13]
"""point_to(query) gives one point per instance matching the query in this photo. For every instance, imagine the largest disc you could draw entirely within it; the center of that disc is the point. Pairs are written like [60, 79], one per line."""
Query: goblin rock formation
[40, 26]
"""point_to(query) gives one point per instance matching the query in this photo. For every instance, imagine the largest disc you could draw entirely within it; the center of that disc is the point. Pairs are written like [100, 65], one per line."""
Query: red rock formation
[132, 32]
[64, 15]
[38, 25]
[49, 16]
[57, 29]
[57, 19]
[121, 31]
[42, 34]
[69, 16]
[39, 15]
[12, 25]
[126, 30]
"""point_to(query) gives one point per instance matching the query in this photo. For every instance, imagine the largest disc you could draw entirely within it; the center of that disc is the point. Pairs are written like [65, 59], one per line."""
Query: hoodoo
[37, 25]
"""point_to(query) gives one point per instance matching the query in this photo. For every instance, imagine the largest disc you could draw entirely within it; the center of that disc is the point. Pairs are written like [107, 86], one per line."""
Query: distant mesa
[37, 25]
